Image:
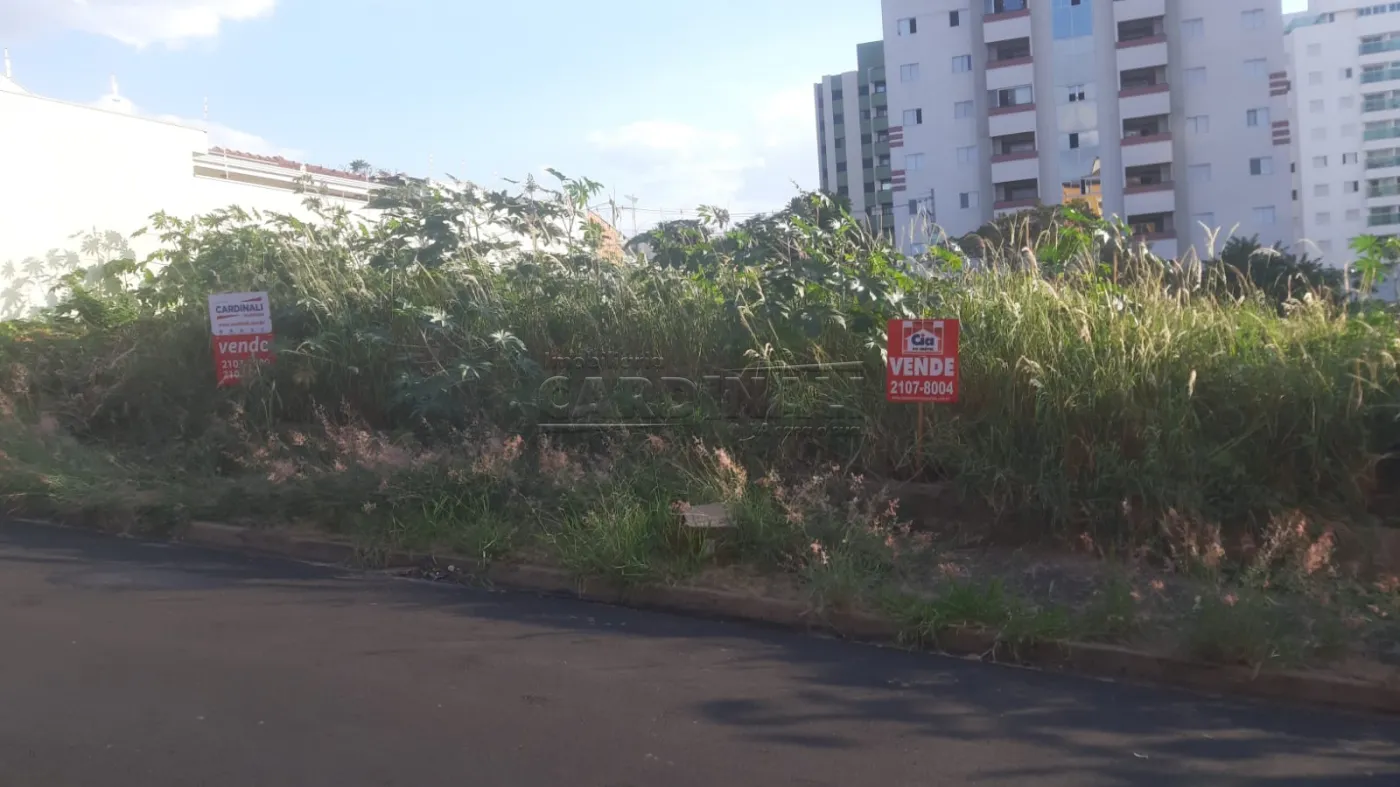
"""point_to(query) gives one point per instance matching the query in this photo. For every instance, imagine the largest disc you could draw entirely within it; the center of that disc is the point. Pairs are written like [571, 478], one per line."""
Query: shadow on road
[828, 691]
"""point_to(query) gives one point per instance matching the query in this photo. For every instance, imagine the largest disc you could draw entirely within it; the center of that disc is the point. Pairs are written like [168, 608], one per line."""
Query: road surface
[126, 664]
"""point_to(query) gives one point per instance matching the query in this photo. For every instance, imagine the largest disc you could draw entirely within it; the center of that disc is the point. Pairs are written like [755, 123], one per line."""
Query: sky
[674, 103]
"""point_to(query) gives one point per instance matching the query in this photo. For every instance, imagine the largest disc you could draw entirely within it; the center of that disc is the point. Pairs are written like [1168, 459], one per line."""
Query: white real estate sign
[240, 313]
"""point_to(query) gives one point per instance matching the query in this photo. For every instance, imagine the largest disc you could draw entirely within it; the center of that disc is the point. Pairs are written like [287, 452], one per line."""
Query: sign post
[241, 323]
[922, 365]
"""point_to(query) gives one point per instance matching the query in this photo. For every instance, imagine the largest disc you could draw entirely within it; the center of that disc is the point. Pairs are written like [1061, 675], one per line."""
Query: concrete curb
[1103, 661]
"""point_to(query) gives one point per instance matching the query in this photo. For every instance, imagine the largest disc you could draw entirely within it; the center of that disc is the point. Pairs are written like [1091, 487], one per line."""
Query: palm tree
[360, 167]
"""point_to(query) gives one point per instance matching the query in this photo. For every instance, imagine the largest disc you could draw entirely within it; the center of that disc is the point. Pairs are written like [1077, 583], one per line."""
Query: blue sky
[675, 103]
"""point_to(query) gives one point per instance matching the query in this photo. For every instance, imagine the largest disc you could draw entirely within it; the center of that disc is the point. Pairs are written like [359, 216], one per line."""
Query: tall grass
[1102, 387]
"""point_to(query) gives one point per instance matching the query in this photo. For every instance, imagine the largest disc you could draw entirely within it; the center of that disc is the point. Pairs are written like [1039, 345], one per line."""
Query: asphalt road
[126, 664]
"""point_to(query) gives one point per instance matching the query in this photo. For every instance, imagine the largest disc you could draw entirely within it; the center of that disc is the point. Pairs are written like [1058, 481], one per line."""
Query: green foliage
[1101, 385]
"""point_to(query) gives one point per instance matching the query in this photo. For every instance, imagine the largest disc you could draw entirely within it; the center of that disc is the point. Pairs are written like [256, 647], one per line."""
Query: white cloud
[220, 136]
[138, 23]
[747, 168]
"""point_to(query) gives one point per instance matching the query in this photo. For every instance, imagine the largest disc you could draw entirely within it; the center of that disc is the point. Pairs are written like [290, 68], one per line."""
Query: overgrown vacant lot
[1185, 455]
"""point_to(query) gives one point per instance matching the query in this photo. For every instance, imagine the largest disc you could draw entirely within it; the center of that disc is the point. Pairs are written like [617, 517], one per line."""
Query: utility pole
[632, 200]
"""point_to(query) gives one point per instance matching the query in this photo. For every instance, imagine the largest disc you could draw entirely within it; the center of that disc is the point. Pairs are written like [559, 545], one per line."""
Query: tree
[360, 167]
[1376, 259]
[1243, 264]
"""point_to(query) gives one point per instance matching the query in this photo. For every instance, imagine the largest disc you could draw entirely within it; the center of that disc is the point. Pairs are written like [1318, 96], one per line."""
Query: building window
[967, 155]
[1354, 214]
[962, 64]
[1348, 129]
[1261, 166]
[1074, 140]
[1350, 158]
[954, 18]
[1195, 76]
[1351, 186]
[1206, 220]
[1324, 245]
[1193, 28]
[1346, 73]
[1317, 106]
[1319, 134]
[909, 72]
[1076, 93]
[913, 117]
[1265, 216]
[1256, 117]
[1071, 19]
[1013, 96]
[1314, 50]
[1198, 173]
[907, 26]
[1321, 190]
[913, 161]
[1322, 219]
[1319, 162]
[967, 200]
[1314, 77]
[962, 109]
[1256, 68]
[1198, 124]
[1252, 19]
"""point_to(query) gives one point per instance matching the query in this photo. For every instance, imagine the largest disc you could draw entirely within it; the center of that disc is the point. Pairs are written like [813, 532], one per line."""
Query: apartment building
[854, 136]
[1344, 58]
[1170, 113]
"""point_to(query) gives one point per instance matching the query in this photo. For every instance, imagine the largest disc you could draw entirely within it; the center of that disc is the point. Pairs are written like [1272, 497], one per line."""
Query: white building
[1170, 113]
[853, 145]
[67, 169]
[1344, 60]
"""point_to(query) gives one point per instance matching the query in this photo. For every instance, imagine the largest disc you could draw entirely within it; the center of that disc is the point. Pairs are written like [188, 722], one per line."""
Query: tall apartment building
[1344, 60]
[853, 135]
[1170, 113]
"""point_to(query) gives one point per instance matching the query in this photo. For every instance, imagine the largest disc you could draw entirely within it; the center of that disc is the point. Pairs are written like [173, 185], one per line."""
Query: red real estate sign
[232, 352]
[922, 363]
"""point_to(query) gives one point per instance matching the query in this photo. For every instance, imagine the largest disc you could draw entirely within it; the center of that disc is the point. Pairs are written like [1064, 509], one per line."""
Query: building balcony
[1018, 155]
[1382, 190]
[1166, 248]
[1147, 188]
[1378, 47]
[1010, 74]
[1145, 151]
[1008, 62]
[1005, 20]
[1380, 75]
[1017, 194]
[1382, 105]
[1141, 80]
[1013, 205]
[1383, 219]
[1143, 202]
[1013, 167]
[1129, 10]
[1140, 102]
[1004, 121]
[1389, 132]
[1147, 139]
[1144, 53]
